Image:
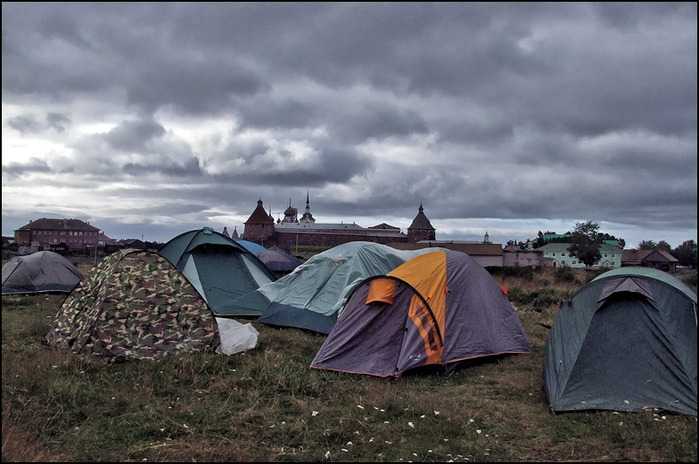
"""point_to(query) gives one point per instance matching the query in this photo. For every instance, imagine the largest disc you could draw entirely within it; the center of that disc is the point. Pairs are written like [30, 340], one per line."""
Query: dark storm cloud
[133, 135]
[263, 165]
[25, 123]
[57, 121]
[510, 111]
[18, 169]
[28, 123]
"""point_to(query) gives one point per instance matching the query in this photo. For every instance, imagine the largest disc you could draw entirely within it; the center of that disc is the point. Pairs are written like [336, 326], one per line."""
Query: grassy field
[267, 404]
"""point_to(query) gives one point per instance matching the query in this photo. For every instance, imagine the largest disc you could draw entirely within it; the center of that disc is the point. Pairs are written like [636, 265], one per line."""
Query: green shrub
[564, 274]
[536, 300]
[526, 273]
[690, 279]
[592, 273]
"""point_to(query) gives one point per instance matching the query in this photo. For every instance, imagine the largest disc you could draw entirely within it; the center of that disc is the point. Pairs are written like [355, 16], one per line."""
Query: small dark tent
[43, 271]
[224, 272]
[438, 308]
[626, 341]
[279, 261]
[134, 305]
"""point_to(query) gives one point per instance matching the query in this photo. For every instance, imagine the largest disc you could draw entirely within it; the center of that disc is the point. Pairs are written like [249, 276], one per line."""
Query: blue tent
[252, 247]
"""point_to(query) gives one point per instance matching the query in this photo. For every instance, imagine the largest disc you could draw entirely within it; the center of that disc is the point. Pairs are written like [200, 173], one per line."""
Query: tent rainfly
[224, 273]
[279, 261]
[626, 341]
[436, 309]
[311, 296]
[43, 271]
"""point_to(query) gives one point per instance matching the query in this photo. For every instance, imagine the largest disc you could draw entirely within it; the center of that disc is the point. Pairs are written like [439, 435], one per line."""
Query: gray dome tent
[40, 272]
[224, 272]
[626, 341]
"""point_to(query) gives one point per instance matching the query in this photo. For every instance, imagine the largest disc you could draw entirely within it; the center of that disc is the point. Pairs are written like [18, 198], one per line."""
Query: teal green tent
[224, 272]
[313, 294]
[626, 341]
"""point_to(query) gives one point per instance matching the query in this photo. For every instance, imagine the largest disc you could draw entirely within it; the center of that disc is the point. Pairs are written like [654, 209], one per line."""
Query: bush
[526, 273]
[592, 273]
[690, 279]
[564, 274]
[537, 300]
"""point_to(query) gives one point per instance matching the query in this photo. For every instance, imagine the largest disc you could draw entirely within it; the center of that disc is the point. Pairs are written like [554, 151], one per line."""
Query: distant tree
[647, 245]
[586, 243]
[539, 242]
[663, 245]
[605, 236]
[686, 253]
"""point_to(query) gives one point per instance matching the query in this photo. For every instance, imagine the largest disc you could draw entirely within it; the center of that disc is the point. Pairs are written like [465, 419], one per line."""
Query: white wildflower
[422, 417]
[411, 425]
[344, 450]
[314, 413]
[436, 413]
[327, 454]
[479, 431]
[360, 406]
[349, 443]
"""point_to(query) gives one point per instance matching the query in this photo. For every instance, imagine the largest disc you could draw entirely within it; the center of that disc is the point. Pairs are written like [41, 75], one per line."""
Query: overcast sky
[157, 118]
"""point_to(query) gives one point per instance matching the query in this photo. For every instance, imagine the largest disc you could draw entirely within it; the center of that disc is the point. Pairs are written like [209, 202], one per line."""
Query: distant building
[514, 256]
[548, 236]
[558, 252]
[421, 228]
[658, 259]
[485, 254]
[46, 233]
[290, 232]
[307, 217]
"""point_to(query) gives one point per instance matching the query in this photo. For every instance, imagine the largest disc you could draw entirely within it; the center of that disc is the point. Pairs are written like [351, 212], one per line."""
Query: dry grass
[260, 405]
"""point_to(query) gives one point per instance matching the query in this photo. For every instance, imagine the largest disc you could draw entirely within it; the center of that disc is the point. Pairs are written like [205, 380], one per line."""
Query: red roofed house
[44, 232]
[658, 259]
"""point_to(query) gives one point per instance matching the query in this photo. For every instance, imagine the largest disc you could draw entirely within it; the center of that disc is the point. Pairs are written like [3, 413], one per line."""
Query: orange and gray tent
[438, 308]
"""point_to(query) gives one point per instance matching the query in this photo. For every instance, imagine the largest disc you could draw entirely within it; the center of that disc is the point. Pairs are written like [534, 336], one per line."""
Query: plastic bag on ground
[235, 337]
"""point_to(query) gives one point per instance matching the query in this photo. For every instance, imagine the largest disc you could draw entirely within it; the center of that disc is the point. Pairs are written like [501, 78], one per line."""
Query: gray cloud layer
[511, 111]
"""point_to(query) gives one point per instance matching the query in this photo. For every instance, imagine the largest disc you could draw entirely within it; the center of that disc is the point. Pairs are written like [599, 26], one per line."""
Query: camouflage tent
[134, 304]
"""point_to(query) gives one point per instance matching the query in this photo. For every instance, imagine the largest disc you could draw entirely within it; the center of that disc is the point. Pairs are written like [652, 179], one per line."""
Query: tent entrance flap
[381, 291]
[627, 285]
